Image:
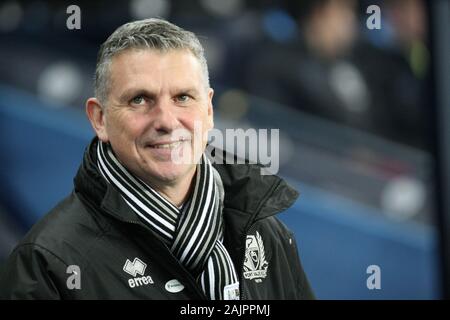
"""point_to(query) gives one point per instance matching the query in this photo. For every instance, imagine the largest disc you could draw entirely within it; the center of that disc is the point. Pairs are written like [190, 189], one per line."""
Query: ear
[210, 109]
[96, 114]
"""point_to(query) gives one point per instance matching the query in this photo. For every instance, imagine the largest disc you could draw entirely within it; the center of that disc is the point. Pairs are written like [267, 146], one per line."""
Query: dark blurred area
[352, 105]
[313, 56]
[335, 68]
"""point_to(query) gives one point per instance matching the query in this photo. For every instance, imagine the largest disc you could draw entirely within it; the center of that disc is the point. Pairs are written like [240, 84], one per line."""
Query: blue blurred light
[279, 25]
[382, 38]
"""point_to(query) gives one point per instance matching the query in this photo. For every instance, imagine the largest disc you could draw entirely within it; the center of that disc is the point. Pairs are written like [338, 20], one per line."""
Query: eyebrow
[134, 92]
[190, 91]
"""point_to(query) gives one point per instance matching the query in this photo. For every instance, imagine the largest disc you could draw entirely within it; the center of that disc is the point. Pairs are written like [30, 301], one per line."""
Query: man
[141, 224]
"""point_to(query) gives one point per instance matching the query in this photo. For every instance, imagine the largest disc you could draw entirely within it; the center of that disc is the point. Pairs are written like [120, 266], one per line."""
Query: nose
[164, 119]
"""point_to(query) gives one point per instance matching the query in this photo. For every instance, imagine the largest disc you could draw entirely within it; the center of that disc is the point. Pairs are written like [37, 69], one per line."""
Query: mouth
[171, 145]
[167, 144]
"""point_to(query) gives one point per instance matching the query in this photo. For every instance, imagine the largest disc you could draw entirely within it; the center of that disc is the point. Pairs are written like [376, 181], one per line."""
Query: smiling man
[152, 95]
[140, 225]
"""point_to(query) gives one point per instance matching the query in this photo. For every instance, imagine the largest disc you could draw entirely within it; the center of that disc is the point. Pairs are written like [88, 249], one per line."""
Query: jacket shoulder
[282, 243]
[37, 267]
[32, 272]
[68, 229]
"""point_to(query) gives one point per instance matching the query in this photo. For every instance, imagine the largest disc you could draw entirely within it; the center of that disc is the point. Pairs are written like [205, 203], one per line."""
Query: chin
[169, 172]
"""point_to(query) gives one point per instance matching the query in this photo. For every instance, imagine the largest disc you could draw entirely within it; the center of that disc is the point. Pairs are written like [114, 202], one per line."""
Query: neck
[178, 192]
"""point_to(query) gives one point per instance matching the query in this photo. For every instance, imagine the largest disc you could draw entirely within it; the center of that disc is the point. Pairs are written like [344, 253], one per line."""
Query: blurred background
[359, 113]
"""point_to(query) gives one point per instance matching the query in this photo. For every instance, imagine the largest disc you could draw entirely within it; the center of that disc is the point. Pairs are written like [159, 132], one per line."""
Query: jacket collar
[95, 190]
[250, 195]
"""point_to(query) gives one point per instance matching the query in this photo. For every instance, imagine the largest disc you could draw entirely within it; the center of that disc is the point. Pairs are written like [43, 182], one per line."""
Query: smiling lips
[168, 144]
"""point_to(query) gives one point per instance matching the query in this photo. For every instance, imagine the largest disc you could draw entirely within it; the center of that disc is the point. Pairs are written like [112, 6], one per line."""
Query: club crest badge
[255, 263]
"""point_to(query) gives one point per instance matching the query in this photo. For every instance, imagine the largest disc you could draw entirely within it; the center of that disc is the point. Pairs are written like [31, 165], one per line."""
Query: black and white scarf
[193, 233]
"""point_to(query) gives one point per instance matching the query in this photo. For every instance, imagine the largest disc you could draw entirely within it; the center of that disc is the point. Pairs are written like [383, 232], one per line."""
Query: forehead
[176, 66]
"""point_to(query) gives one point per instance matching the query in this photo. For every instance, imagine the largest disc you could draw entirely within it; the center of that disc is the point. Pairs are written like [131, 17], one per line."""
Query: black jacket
[92, 246]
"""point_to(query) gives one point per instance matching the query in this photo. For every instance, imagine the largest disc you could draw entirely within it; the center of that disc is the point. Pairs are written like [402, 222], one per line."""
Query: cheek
[126, 126]
[198, 123]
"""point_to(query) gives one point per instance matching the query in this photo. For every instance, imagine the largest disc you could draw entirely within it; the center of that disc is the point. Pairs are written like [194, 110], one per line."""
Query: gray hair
[156, 34]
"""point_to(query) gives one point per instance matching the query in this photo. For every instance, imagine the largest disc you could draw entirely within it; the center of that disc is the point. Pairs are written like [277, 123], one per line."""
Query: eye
[138, 100]
[183, 98]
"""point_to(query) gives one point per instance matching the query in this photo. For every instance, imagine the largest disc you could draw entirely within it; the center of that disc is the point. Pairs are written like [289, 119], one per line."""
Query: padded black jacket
[93, 246]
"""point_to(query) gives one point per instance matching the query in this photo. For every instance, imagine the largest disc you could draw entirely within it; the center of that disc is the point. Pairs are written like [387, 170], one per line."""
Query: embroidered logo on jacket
[134, 268]
[137, 267]
[255, 263]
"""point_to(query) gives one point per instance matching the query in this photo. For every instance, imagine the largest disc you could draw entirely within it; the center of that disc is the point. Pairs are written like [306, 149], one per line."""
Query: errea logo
[137, 267]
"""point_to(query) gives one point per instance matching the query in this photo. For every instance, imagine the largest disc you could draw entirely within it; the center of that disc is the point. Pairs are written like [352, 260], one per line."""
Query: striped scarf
[193, 233]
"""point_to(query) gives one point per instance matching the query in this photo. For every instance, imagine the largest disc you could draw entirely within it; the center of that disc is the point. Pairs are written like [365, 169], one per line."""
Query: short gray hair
[156, 34]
